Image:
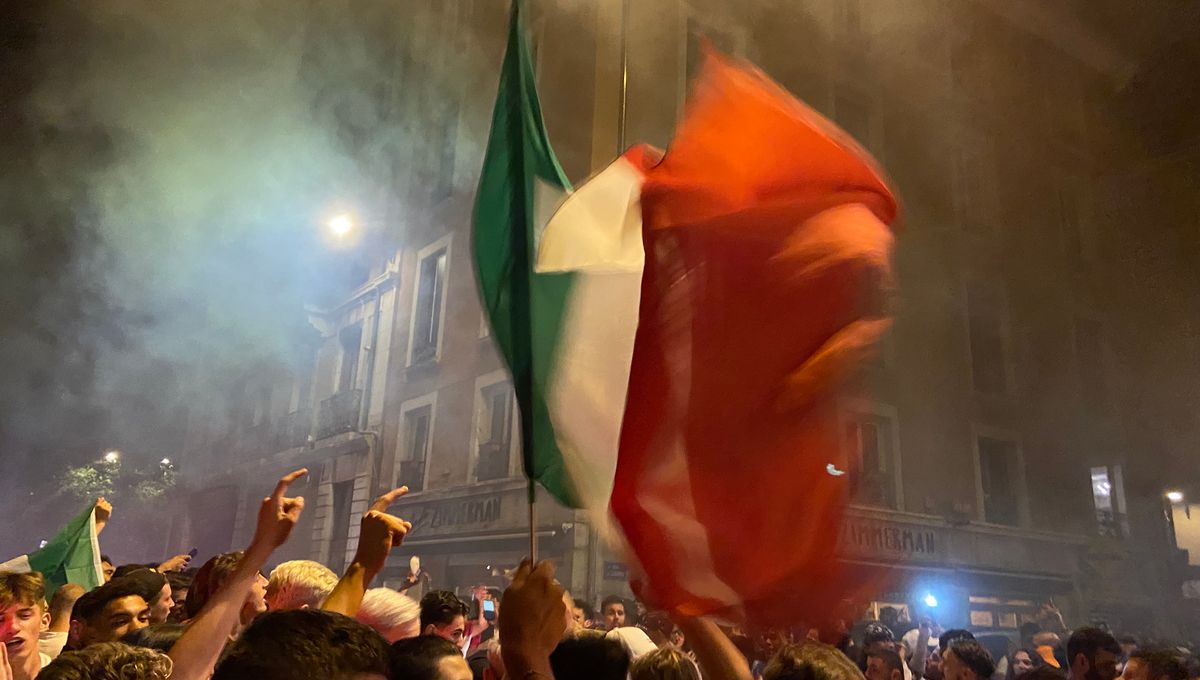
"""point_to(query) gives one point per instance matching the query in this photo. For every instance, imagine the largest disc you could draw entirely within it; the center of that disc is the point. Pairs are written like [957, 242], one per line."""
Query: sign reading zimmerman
[881, 539]
[473, 512]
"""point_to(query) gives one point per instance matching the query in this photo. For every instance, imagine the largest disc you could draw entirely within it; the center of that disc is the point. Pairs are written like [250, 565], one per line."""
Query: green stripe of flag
[72, 556]
[525, 308]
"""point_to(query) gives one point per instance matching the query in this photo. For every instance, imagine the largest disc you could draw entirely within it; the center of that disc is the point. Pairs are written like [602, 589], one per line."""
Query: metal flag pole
[533, 551]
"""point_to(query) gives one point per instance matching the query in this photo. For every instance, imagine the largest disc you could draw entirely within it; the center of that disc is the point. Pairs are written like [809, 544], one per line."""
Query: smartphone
[192, 553]
[489, 610]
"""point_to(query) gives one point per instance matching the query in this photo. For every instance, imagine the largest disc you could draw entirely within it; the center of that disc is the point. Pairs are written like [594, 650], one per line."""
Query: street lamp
[1175, 496]
[112, 456]
[340, 225]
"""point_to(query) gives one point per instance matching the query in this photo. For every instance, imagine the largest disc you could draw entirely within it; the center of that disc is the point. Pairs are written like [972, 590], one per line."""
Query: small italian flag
[72, 556]
[678, 329]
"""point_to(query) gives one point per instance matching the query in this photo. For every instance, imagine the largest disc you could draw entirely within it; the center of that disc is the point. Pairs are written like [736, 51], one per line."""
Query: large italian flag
[678, 330]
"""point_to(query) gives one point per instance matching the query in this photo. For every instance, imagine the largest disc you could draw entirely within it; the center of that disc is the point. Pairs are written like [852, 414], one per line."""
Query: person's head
[811, 661]
[1155, 664]
[593, 657]
[159, 636]
[181, 584]
[108, 613]
[428, 657]
[63, 601]
[612, 608]
[298, 584]
[107, 567]
[582, 612]
[878, 636]
[391, 614]
[1092, 655]
[1022, 661]
[23, 616]
[664, 663]
[213, 575]
[155, 590]
[127, 569]
[884, 664]
[888, 616]
[109, 661]
[443, 615]
[951, 636]
[305, 644]
[967, 660]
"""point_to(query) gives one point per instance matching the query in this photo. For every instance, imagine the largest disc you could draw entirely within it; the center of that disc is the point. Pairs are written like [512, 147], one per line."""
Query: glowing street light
[1175, 496]
[340, 225]
[112, 456]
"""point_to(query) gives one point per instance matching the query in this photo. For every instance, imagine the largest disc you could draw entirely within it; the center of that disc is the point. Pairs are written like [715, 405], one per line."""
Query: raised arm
[195, 653]
[533, 623]
[716, 653]
[380, 533]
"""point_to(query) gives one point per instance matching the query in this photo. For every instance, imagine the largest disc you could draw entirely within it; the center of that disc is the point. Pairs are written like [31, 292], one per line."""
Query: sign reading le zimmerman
[878, 539]
[459, 514]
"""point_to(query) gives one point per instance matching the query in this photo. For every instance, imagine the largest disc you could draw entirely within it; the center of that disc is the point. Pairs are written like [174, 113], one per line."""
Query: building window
[429, 305]
[870, 441]
[989, 356]
[262, 406]
[350, 339]
[1108, 497]
[494, 426]
[343, 496]
[1089, 352]
[999, 478]
[418, 433]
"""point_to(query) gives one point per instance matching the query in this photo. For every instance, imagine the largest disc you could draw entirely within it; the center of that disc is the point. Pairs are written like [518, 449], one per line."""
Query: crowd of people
[227, 621]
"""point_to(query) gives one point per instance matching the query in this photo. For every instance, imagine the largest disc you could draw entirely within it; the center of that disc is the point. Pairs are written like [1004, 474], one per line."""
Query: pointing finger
[285, 482]
[383, 502]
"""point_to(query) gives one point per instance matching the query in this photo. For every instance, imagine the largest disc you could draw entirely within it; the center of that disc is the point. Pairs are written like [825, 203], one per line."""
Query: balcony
[412, 474]
[493, 461]
[291, 431]
[338, 413]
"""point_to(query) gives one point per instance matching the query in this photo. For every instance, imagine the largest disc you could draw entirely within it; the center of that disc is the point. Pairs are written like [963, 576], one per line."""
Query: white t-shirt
[51, 644]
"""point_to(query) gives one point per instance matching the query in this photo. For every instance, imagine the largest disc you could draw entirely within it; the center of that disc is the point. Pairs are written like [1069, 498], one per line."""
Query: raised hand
[380, 533]
[279, 513]
[176, 563]
[6, 671]
[534, 619]
[103, 513]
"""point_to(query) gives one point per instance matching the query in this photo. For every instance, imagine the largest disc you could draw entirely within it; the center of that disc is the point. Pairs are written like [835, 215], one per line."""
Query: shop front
[475, 536]
[986, 578]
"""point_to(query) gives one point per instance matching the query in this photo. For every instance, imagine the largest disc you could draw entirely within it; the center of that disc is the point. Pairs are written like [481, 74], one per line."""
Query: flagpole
[624, 76]
[533, 551]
